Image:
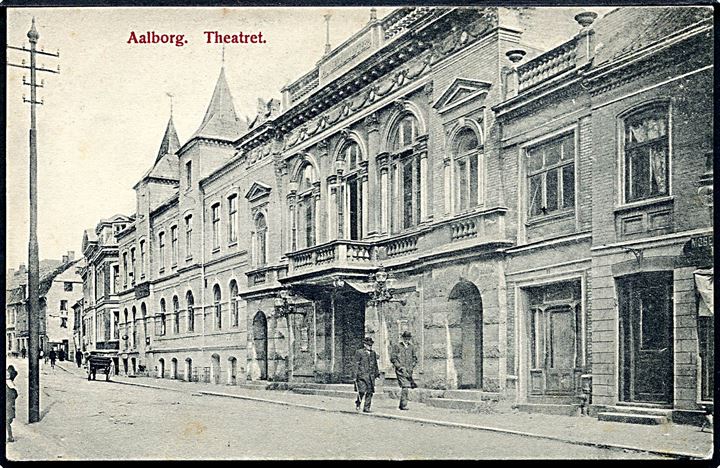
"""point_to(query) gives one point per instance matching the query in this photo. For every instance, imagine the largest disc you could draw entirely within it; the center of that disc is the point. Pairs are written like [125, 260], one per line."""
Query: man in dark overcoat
[404, 358]
[365, 372]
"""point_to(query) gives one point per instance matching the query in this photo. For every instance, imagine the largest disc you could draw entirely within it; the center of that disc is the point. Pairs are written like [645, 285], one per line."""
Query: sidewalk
[668, 440]
[30, 443]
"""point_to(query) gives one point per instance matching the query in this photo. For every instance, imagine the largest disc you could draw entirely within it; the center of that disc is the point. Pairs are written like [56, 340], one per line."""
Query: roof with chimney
[15, 293]
[221, 121]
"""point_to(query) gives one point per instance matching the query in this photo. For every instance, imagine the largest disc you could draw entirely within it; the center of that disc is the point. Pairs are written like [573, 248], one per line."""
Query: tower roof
[170, 142]
[220, 121]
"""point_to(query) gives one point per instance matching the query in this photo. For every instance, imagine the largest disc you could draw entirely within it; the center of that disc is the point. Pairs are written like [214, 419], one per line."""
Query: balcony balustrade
[340, 254]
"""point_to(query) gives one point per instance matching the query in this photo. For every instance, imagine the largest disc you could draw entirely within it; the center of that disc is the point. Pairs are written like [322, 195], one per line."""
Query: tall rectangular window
[125, 269]
[132, 264]
[188, 236]
[216, 225]
[63, 305]
[116, 275]
[142, 259]
[188, 174]
[551, 176]
[174, 245]
[232, 219]
[161, 246]
[646, 155]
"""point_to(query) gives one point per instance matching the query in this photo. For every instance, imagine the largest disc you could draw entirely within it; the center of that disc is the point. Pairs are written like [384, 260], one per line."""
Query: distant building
[59, 288]
[98, 308]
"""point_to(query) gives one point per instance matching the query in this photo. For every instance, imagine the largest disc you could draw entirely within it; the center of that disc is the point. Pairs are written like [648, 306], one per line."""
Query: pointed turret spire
[170, 142]
[220, 121]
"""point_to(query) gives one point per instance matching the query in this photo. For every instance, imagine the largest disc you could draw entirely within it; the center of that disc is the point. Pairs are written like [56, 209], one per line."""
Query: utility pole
[33, 261]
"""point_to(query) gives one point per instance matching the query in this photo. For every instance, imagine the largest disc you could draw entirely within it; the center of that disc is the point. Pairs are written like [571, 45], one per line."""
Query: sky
[104, 115]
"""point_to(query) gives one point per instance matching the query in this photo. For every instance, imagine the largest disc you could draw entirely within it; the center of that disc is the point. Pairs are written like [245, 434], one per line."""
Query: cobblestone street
[80, 417]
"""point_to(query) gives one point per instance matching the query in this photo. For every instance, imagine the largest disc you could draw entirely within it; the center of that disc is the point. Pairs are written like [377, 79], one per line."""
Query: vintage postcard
[397, 233]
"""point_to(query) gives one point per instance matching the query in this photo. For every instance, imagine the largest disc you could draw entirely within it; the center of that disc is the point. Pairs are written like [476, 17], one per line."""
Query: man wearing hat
[404, 359]
[365, 373]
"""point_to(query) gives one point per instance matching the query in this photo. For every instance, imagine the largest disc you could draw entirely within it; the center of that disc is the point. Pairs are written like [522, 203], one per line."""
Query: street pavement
[109, 420]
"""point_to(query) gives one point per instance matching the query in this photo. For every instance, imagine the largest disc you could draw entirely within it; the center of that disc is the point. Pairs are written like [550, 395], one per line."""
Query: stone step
[632, 418]
[332, 393]
[457, 404]
[259, 385]
[635, 404]
[322, 386]
[554, 400]
[474, 395]
[549, 408]
[639, 410]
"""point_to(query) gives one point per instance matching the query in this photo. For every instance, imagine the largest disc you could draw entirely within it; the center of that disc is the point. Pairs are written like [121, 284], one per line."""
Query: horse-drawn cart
[99, 363]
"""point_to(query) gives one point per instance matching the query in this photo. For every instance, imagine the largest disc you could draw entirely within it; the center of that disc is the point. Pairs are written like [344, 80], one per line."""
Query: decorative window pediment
[257, 191]
[461, 91]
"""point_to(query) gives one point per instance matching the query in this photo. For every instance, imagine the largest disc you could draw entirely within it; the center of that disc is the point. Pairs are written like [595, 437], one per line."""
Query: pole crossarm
[36, 68]
[41, 52]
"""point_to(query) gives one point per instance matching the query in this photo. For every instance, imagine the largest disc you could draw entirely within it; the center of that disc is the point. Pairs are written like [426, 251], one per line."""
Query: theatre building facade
[533, 214]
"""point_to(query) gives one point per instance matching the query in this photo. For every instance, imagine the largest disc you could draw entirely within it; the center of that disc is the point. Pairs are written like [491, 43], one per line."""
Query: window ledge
[233, 244]
[535, 220]
[174, 266]
[216, 250]
[161, 271]
[645, 203]
[188, 259]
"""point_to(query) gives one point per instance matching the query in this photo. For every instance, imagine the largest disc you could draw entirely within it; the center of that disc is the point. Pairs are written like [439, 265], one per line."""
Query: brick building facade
[438, 173]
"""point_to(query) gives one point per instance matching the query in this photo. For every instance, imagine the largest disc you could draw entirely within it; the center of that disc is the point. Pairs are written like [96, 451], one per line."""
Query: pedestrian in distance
[404, 359]
[61, 355]
[11, 395]
[365, 372]
[53, 356]
[23, 352]
[78, 357]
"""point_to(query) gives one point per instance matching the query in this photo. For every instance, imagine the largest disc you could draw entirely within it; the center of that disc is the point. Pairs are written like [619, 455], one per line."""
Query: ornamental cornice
[301, 126]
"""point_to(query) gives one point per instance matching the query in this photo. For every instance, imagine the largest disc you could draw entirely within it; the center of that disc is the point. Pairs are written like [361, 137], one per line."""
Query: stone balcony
[473, 230]
[335, 255]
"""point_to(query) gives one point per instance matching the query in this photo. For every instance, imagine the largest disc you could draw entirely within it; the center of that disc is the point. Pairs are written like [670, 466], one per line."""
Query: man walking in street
[365, 372]
[78, 357]
[23, 352]
[52, 355]
[404, 359]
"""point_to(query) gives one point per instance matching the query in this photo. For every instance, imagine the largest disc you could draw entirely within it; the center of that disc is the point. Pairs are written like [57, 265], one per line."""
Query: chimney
[585, 40]
[64, 258]
[21, 269]
[71, 255]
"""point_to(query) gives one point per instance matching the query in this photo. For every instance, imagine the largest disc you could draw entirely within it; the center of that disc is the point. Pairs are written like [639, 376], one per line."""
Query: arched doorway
[260, 343]
[465, 301]
[232, 371]
[215, 369]
[188, 370]
[161, 368]
[173, 368]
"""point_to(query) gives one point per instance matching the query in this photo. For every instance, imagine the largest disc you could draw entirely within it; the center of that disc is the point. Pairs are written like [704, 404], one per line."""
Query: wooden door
[647, 339]
[260, 343]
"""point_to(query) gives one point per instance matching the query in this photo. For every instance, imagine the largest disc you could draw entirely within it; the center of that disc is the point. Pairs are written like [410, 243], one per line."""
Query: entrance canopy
[365, 288]
[704, 285]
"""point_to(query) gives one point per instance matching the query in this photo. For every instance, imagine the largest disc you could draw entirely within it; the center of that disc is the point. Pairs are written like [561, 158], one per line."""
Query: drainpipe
[202, 267]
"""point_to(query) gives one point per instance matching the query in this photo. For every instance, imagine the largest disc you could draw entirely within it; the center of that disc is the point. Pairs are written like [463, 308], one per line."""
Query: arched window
[190, 311]
[163, 316]
[353, 196]
[234, 305]
[404, 133]
[303, 230]
[467, 155]
[405, 177]
[218, 307]
[176, 315]
[260, 240]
